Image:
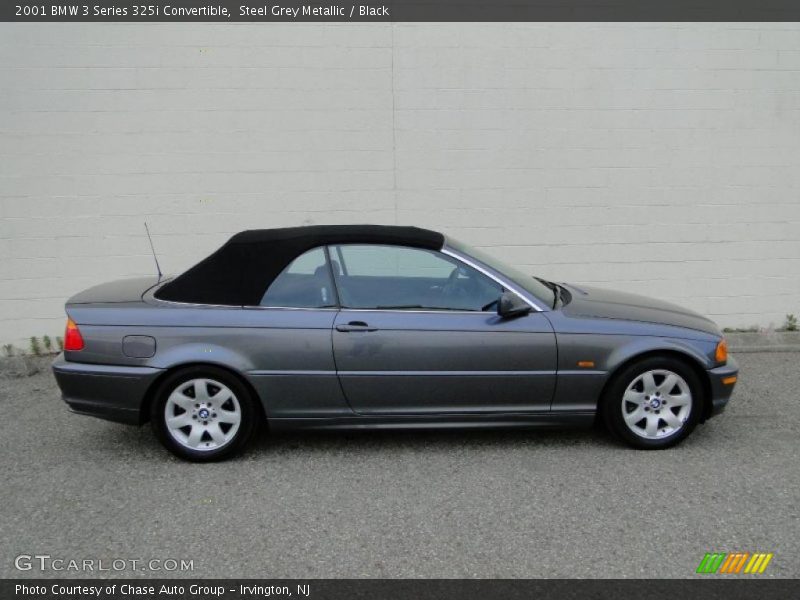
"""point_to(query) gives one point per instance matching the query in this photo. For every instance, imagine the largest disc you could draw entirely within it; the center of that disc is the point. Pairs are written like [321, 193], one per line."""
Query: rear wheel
[654, 403]
[203, 414]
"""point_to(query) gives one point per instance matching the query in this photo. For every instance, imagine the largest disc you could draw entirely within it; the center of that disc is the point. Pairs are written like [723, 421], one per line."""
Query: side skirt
[496, 421]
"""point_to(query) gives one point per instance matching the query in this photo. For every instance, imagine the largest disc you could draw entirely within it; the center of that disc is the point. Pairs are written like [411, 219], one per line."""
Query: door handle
[354, 326]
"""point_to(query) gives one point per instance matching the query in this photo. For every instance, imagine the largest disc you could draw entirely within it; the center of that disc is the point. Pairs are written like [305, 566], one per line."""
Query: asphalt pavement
[393, 504]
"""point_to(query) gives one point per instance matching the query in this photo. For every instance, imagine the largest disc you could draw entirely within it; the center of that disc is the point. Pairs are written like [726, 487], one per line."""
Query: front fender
[579, 387]
[699, 351]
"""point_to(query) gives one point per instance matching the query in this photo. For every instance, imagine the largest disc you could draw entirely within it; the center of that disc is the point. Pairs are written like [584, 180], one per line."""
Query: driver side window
[398, 277]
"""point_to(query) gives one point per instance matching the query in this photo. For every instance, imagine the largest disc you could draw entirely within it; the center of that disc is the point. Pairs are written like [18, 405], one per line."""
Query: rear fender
[192, 353]
[186, 355]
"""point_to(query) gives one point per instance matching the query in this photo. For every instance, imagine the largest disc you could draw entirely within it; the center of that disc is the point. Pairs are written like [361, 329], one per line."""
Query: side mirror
[510, 305]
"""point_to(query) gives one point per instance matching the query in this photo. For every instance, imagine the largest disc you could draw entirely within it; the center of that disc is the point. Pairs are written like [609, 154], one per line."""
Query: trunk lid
[115, 292]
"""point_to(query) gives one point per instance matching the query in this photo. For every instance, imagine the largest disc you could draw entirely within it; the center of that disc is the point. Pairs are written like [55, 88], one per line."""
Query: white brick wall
[658, 158]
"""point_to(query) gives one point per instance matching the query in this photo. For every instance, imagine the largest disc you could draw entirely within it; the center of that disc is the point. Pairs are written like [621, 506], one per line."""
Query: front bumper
[721, 391]
[111, 392]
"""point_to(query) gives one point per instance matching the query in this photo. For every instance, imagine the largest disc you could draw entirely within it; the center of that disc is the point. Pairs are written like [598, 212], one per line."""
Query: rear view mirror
[510, 305]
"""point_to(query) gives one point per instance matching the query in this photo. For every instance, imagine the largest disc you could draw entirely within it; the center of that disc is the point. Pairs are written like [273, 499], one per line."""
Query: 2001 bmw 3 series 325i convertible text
[366, 326]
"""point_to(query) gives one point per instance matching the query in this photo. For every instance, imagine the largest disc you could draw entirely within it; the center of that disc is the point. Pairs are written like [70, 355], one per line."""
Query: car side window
[399, 277]
[305, 283]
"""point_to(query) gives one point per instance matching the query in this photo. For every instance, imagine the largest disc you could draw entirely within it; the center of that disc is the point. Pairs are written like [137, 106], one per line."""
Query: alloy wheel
[656, 404]
[202, 414]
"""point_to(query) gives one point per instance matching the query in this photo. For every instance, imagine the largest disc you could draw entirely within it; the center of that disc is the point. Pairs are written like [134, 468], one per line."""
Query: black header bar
[222, 11]
[710, 588]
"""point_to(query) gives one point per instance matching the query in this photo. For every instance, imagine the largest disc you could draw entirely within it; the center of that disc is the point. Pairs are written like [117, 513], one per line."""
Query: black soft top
[240, 272]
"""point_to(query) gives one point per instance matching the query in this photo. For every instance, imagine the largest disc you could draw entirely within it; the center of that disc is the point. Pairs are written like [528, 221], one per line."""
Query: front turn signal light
[73, 340]
[721, 354]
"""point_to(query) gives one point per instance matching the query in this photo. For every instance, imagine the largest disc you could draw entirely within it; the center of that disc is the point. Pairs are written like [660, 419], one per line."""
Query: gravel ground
[457, 504]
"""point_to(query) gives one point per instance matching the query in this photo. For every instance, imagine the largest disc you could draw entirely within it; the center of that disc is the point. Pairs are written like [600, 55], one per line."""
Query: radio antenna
[153, 248]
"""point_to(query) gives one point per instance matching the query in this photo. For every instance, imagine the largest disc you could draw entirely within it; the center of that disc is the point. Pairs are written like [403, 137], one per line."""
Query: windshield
[528, 282]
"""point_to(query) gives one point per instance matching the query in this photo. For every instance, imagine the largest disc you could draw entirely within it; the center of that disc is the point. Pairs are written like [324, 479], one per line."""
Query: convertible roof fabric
[240, 272]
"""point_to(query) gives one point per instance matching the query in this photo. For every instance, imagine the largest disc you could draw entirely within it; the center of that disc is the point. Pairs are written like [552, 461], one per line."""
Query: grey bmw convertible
[365, 327]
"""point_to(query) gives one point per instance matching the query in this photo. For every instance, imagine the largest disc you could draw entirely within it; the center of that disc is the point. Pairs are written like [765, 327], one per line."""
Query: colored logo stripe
[711, 562]
[758, 563]
[733, 563]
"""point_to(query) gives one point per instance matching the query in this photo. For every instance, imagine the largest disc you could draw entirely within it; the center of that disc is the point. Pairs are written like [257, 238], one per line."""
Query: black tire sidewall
[247, 405]
[612, 401]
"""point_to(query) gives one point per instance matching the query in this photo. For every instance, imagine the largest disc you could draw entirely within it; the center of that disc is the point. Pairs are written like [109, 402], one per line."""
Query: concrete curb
[767, 341]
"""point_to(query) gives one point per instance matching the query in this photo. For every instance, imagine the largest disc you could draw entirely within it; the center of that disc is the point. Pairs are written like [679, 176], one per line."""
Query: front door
[418, 334]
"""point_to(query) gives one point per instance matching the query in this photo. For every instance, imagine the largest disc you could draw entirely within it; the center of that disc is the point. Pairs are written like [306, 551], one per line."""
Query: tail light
[73, 340]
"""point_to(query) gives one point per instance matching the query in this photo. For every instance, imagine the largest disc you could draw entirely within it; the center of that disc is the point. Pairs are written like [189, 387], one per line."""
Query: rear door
[418, 334]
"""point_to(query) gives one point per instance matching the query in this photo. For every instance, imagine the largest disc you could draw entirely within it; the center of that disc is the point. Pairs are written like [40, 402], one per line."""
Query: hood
[594, 302]
[123, 290]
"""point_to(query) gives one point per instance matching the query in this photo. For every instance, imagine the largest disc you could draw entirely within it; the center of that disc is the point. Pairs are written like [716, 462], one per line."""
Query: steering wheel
[453, 277]
[455, 289]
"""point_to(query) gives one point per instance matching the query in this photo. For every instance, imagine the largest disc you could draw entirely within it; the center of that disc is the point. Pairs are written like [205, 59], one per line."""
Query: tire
[664, 392]
[204, 414]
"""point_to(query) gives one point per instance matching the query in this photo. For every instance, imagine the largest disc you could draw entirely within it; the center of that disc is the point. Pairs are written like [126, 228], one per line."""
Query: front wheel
[654, 403]
[203, 414]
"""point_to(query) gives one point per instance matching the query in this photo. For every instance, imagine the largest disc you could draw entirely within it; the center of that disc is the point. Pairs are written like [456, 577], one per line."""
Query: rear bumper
[721, 391]
[110, 392]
